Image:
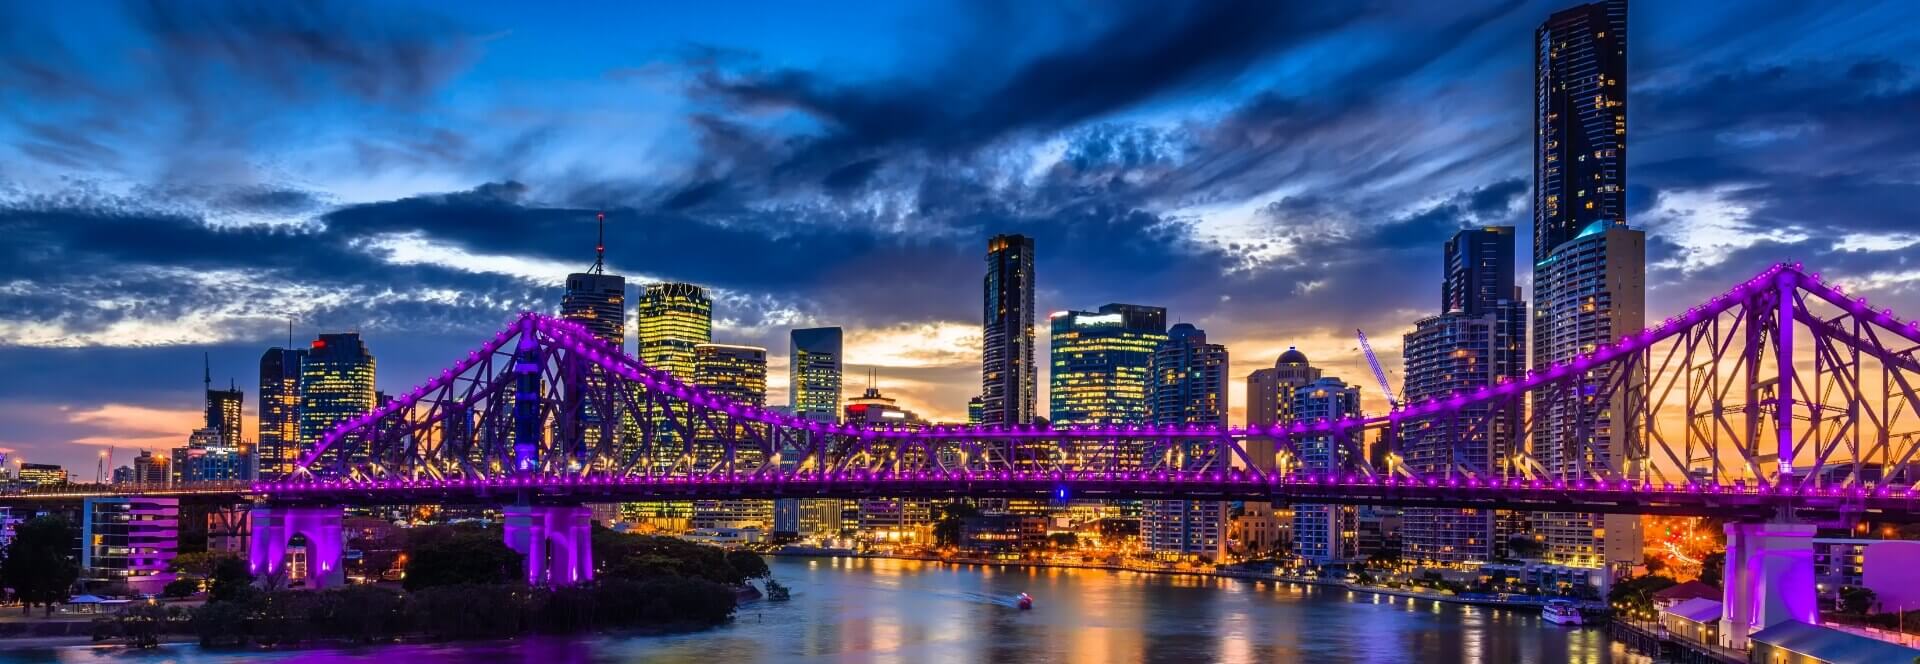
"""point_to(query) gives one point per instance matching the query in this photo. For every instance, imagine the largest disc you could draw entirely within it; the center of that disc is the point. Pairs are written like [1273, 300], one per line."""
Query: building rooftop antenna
[206, 368]
[600, 247]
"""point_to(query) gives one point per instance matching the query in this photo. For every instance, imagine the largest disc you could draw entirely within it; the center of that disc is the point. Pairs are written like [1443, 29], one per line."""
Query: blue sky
[179, 178]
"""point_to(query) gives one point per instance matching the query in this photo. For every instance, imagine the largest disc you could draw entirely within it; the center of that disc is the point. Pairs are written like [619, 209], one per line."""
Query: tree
[198, 563]
[1856, 600]
[37, 565]
[230, 580]
[467, 556]
[181, 587]
[946, 531]
[1525, 546]
[1635, 595]
[749, 564]
[1064, 540]
[1713, 568]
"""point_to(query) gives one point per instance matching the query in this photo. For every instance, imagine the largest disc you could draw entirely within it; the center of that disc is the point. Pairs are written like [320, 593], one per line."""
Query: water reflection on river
[911, 612]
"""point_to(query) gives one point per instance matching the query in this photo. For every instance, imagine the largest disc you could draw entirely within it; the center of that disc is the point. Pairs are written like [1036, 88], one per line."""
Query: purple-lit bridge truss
[1779, 395]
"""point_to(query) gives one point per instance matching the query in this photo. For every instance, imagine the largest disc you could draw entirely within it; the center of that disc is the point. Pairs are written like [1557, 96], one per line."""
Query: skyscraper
[673, 318]
[597, 301]
[1270, 395]
[1101, 363]
[336, 383]
[1479, 340]
[1188, 386]
[1326, 534]
[224, 409]
[738, 374]
[886, 522]
[815, 366]
[279, 447]
[1007, 372]
[1580, 121]
[1589, 274]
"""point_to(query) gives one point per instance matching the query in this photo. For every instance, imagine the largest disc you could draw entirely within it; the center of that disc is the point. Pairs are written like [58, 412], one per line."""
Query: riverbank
[1518, 602]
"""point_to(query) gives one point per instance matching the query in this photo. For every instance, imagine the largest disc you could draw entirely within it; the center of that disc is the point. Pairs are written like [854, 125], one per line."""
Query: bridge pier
[1769, 579]
[275, 526]
[557, 541]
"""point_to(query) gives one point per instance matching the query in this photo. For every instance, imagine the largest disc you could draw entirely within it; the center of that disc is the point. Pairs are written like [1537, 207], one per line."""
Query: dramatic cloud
[183, 178]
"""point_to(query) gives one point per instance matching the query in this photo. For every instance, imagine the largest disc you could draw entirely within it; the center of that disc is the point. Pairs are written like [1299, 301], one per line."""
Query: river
[863, 610]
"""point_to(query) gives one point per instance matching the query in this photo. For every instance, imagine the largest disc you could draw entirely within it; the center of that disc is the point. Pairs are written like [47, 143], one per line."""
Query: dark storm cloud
[207, 78]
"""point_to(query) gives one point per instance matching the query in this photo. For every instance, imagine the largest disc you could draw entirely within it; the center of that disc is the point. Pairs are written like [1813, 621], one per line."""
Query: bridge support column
[1769, 579]
[557, 541]
[275, 526]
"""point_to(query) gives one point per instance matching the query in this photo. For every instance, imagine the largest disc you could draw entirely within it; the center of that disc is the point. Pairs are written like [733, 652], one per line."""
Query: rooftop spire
[206, 369]
[600, 246]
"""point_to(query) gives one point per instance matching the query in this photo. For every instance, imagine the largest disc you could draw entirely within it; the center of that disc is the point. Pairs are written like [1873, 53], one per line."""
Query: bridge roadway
[1733, 502]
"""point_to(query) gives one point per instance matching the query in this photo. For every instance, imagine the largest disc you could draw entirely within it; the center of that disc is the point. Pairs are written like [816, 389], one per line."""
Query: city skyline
[915, 328]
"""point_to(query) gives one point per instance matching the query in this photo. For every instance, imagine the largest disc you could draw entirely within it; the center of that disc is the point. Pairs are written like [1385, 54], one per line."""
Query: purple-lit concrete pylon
[274, 529]
[556, 540]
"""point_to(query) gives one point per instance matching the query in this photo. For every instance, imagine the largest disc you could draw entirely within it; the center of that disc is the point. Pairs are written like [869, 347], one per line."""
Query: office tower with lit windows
[1270, 391]
[224, 410]
[1589, 283]
[672, 318]
[151, 469]
[279, 440]
[336, 384]
[130, 540]
[208, 458]
[1100, 363]
[595, 299]
[1187, 385]
[889, 522]
[1007, 372]
[1327, 534]
[976, 409]
[1477, 341]
[737, 374]
[599, 302]
[815, 367]
[40, 474]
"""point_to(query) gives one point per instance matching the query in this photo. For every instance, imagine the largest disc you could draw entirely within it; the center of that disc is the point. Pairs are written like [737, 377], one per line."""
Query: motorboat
[1024, 601]
[1562, 612]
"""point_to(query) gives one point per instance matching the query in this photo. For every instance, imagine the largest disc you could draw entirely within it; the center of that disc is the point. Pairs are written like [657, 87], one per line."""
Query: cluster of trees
[38, 563]
[642, 557]
[460, 583]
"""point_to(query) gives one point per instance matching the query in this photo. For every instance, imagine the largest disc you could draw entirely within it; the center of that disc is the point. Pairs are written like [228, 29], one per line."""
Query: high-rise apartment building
[336, 384]
[130, 539]
[1188, 386]
[672, 319]
[1327, 534]
[1270, 393]
[1479, 340]
[1008, 375]
[815, 366]
[279, 440]
[1580, 122]
[1100, 364]
[886, 522]
[207, 458]
[1589, 273]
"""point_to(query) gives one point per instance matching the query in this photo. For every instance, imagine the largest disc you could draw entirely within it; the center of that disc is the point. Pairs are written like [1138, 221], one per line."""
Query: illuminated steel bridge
[1782, 399]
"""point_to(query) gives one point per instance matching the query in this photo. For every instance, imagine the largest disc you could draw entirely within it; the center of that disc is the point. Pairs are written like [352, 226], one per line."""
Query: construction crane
[1379, 374]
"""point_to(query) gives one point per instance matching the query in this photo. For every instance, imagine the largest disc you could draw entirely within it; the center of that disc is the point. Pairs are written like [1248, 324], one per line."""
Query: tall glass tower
[673, 318]
[1580, 121]
[1589, 272]
[815, 367]
[336, 383]
[1101, 362]
[279, 447]
[1007, 372]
